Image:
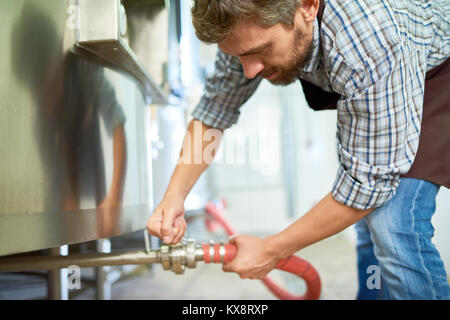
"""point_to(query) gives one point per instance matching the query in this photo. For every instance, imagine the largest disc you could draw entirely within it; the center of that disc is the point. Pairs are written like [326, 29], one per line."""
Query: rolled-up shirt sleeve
[226, 90]
[378, 124]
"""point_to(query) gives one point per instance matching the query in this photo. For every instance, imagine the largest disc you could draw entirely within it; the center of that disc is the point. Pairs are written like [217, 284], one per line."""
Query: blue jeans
[396, 258]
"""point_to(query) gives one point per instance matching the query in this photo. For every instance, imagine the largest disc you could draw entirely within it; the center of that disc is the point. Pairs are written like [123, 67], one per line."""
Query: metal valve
[179, 256]
[186, 254]
[172, 257]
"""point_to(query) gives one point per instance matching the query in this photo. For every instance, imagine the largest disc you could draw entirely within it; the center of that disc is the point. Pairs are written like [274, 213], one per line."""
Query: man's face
[276, 53]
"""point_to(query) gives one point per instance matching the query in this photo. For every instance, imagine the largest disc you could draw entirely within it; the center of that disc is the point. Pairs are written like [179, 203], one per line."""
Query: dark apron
[432, 161]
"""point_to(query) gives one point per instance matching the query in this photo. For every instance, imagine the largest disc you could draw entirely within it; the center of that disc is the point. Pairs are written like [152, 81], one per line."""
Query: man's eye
[265, 50]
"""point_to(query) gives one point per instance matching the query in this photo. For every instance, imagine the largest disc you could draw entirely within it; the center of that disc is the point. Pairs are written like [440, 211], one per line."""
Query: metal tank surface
[73, 164]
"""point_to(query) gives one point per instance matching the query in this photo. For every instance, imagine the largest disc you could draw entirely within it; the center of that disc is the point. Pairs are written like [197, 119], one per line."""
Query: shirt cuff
[352, 193]
[209, 117]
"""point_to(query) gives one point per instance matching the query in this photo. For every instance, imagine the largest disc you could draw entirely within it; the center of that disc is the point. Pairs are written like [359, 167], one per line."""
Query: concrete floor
[334, 259]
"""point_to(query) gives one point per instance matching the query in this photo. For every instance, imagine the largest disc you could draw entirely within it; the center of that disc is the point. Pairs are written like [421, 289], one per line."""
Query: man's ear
[309, 9]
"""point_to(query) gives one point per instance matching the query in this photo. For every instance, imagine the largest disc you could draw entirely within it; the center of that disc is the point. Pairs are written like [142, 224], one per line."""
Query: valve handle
[292, 264]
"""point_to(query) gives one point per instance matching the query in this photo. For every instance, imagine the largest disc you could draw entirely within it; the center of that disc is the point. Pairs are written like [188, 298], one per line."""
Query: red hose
[216, 212]
[291, 264]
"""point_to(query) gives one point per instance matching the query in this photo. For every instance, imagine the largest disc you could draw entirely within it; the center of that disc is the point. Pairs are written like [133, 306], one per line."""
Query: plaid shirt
[374, 54]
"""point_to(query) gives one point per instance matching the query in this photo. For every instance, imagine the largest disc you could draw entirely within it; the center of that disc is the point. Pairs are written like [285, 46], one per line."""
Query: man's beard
[291, 72]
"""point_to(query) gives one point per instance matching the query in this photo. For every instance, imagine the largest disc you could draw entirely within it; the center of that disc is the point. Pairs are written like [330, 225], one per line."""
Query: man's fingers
[167, 228]
[226, 267]
[180, 223]
[232, 238]
[179, 230]
[154, 225]
[229, 267]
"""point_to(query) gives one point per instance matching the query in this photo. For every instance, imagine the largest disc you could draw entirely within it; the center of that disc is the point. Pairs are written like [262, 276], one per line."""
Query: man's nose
[252, 67]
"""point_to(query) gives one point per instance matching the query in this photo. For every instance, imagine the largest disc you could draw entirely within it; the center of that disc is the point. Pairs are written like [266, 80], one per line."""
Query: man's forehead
[242, 51]
[245, 37]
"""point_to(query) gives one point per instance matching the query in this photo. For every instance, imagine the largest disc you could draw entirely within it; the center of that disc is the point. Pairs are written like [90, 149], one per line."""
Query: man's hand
[253, 259]
[167, 221]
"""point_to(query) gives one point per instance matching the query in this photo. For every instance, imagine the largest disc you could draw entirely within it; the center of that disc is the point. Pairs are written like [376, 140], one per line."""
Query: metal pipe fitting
[172, 257]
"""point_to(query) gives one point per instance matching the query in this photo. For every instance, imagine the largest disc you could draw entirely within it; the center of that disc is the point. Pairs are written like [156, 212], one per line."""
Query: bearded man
[384, 65]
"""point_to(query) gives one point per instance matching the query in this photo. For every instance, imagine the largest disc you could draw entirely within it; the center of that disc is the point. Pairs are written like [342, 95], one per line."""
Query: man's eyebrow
[253, 50]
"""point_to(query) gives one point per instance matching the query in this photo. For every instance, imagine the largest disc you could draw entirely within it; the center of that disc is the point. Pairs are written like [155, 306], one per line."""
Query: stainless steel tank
[73, 125]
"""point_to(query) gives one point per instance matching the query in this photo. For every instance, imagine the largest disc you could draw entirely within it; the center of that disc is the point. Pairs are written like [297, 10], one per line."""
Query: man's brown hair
[213, 20]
